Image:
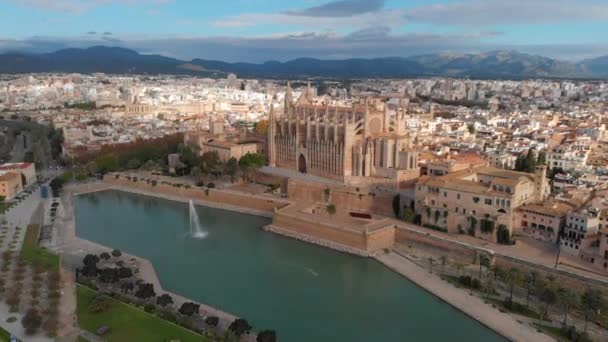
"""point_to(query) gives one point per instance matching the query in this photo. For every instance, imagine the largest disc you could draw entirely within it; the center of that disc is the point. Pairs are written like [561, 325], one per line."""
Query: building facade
[10, 184]
[359, 144]
[27, 170]
[479, 201]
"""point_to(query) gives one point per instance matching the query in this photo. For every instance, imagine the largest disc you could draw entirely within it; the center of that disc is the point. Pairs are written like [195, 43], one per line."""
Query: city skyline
[256, 31]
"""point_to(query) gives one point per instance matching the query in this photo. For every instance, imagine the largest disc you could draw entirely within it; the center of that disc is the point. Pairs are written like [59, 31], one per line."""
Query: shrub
[212, 321]
[100, 304]
[116, 253]
[149, 308]
[239, 326]
[211, 185]
[31, 322]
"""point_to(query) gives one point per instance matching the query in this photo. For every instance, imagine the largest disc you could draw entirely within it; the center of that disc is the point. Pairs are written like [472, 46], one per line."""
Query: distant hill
[496, 64]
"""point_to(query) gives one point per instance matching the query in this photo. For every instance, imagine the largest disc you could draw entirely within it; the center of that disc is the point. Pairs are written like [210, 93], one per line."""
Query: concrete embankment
[471, 305]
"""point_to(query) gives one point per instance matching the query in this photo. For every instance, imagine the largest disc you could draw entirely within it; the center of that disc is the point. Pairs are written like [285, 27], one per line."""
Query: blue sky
[259, 30]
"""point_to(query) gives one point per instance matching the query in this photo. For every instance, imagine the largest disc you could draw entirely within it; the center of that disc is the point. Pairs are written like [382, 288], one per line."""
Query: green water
[305, 293]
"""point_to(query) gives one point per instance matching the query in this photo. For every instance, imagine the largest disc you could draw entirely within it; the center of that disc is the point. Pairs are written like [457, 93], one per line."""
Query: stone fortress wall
[224, 197]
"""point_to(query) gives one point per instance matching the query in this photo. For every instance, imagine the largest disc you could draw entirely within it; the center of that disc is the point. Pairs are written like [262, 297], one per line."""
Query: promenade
[473, 306]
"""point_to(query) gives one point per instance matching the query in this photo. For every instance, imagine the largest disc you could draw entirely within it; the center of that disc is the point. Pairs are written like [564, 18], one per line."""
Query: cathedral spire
[271, 135]
[288, 97]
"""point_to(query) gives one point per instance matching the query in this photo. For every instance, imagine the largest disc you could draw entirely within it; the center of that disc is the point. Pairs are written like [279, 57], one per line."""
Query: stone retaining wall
[227, 197]
[316, 241]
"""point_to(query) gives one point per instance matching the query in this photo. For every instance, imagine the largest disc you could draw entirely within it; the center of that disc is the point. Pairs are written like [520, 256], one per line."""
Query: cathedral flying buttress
[346, 144]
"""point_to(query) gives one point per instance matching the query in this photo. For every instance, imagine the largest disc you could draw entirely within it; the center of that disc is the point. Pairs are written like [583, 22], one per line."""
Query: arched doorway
[301, 164]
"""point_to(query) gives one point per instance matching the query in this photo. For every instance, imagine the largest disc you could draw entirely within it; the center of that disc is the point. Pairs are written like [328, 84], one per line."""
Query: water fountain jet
[196, 231]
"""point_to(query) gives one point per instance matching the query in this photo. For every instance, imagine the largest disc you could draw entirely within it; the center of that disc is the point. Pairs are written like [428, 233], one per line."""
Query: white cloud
[392, 18]
[497, 12]
[80, 6]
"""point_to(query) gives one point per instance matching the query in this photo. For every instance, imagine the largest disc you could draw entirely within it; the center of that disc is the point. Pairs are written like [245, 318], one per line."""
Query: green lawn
[32, 253]
[128, 323]
[4, 336]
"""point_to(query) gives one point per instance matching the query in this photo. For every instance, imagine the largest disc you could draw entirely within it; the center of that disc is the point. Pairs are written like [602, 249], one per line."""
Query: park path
[473, 306]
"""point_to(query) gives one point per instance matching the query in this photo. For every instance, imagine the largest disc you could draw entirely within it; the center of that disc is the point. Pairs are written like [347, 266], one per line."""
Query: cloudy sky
[261, 30]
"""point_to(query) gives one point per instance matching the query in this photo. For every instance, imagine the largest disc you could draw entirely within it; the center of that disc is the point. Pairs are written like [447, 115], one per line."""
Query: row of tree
[550, 292]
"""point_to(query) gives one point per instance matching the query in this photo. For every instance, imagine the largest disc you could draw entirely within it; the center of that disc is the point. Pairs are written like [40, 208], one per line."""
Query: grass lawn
[128, 323]
[4, 336]
[551, 331]
[518, 309]
[32, 253]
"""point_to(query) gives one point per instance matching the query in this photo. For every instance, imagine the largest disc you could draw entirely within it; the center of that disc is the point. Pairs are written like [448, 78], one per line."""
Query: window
[475, 199]
[445, 194]
[458, 196]
[456, 210]
[488, 201]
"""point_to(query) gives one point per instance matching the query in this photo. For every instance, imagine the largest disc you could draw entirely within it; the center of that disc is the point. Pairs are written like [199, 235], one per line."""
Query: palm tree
[459, 268]
[444, 260]
[512, 277]
[431, 262]
[592, 302]
[549, 297]
[567, 299]
[196, 172]
[529, 283]
[483, 261]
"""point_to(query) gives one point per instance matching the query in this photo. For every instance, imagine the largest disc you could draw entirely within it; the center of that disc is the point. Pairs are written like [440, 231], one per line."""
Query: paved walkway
[20, 215]
[526, 250]
[473, 306]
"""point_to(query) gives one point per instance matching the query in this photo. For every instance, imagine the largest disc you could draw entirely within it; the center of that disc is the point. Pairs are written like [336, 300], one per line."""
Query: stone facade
[27, 170]
[479, 201]
[345, 144]
[10, 184]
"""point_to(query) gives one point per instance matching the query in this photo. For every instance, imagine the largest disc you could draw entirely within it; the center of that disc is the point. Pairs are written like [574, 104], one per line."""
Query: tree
[231, 167]
[408, 215]
[196, 172]
[127, 287]
[124, 272]
[267, 336]
[145, 291]
[251, 162]
[396, 205]
[566, 299]
[541, 159]
[331, 209]
[212, 321]
[239, 326]
[261, 127]
[548, 296]
[116, 253]
[107, 163]
[592, 302]
[483, 261]
[105, 256]
[530, 279]
[512, 277]
[133, 164]
[90, 265]
[164, 300]
[91, 168]
[189, 309]
[108, 275]
[211, 163]
[31, 321]
[471, 128]
[431, 263]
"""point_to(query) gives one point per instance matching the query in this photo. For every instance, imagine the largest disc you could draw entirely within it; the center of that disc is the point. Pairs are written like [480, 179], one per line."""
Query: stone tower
[271, 136]
[541, 182]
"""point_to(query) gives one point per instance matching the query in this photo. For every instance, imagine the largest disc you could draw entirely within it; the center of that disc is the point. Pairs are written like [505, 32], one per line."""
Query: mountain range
[495, 64]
